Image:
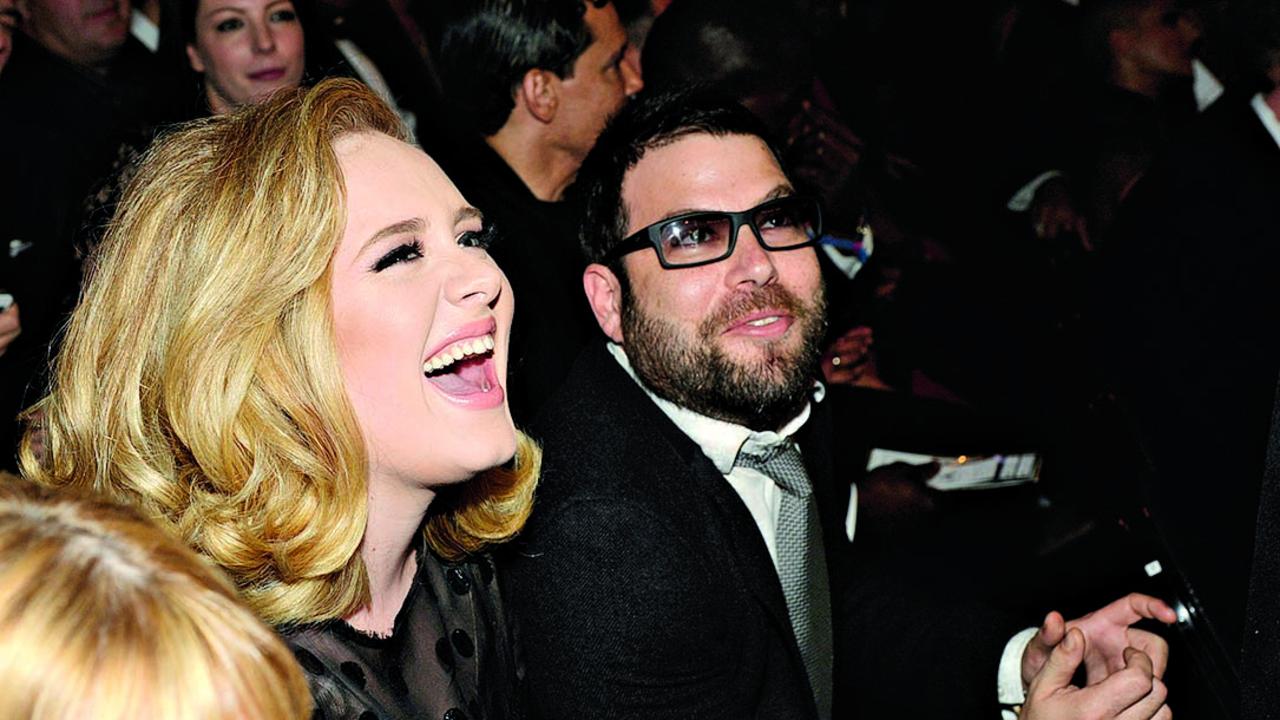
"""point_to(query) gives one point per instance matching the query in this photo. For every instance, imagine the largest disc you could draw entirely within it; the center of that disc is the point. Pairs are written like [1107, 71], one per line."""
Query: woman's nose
[476, 280]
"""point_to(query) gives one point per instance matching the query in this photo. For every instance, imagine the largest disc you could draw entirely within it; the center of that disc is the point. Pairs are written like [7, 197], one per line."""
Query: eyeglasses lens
[787, 223]
[696, 239]
[706, 237]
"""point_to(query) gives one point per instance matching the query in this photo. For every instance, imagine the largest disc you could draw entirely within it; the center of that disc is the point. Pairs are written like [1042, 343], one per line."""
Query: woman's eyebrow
[404, 227]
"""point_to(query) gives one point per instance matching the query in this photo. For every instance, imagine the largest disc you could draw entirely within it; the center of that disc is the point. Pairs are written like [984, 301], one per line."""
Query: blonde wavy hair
[103, 615]
[199, 376]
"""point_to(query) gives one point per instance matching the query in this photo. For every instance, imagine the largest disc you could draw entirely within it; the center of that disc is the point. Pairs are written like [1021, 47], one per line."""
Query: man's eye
[402, 253]
[482, 238]
[229, 25]
[777, 218]
[690, 235]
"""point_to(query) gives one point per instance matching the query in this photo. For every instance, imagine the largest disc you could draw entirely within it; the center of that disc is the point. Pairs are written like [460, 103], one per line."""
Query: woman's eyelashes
[406, 252]
[482, 238]
[401, 253]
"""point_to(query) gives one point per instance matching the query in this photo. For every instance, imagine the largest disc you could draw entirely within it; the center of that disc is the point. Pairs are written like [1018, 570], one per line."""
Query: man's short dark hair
[486, 46]
[650, 121]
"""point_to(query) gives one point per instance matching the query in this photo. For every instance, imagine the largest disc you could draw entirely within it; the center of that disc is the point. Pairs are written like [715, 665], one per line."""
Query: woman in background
[103, 615]
[243, 49]
[292, 350]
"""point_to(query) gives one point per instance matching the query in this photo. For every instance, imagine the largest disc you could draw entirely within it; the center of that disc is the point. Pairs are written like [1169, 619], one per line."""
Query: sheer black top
[451, 654]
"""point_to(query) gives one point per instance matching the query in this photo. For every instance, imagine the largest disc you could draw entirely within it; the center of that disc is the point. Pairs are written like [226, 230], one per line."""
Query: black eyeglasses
[701, 238]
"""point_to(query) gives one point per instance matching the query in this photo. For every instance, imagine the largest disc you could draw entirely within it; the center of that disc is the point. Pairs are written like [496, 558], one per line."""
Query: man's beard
[696, 373]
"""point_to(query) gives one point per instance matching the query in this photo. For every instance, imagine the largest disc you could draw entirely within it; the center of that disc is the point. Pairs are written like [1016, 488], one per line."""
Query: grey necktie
[802, 565]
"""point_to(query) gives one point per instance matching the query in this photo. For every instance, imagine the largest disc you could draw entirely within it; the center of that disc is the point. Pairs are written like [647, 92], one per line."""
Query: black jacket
[643, 588]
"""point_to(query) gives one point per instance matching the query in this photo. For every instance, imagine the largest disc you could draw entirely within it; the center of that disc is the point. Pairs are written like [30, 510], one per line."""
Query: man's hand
[1108, 635]
[849, 360]
[1133, 692]
[1053, 213]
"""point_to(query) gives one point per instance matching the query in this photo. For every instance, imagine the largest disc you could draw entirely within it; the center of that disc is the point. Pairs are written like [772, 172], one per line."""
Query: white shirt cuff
[1021, 200]
[851, 514]
[1009, 680]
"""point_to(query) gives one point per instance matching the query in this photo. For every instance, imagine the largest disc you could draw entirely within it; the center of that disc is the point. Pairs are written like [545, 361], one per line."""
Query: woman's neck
[389, 553]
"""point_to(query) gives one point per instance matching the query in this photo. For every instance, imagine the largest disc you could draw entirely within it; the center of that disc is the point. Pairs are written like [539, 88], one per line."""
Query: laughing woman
[292, 352]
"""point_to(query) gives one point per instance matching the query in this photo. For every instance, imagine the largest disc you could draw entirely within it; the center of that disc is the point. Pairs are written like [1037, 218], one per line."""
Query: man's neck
[1272, 99]
[544, 169]
[101, 69]
[150, 8]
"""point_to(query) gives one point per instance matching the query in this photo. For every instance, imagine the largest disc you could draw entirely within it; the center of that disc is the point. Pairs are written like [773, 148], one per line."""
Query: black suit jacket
[643, 588]
[1193, 269]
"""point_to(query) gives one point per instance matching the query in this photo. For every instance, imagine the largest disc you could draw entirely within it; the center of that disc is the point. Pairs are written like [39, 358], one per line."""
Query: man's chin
[754, 357]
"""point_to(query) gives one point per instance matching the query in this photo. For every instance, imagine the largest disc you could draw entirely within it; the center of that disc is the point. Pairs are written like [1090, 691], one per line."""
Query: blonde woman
[292, 349]
[103, 615]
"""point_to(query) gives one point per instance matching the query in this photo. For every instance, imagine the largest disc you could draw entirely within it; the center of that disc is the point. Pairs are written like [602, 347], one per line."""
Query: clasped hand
[1123, 665]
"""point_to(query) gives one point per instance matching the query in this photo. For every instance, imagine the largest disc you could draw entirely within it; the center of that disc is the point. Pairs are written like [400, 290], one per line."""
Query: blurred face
[600, 84]
[8, 25]
[1164, 39]
[86, 32]
[246, 50]
[737, 339]
[422, 316]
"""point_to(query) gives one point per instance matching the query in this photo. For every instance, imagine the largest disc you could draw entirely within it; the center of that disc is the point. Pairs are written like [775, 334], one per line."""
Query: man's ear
[604, 294]
[540, 91]
[193, 57]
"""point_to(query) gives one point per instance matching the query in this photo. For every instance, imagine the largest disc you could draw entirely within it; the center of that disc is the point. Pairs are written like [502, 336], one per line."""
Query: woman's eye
[229, 25]
[482, 238]
[402, 253]
[283, 16]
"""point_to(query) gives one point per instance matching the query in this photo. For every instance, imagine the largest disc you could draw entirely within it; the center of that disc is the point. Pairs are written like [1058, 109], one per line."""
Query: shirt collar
[1267, 116]
[147, 32]
[720, 441]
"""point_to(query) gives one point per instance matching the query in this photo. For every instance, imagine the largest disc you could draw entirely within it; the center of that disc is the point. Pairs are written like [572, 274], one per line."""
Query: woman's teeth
[457, 351]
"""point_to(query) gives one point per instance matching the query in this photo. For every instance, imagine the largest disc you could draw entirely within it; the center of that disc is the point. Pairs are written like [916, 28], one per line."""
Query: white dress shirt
[1267, 116]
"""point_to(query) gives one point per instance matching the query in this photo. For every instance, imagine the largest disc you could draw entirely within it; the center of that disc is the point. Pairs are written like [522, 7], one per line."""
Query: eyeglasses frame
[649, 236]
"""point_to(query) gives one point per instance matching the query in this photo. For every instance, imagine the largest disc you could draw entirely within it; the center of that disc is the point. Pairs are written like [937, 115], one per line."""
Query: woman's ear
[193, 57]
[604, 294]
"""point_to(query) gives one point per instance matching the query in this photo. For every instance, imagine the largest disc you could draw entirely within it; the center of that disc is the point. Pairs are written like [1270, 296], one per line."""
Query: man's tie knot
[782, 464]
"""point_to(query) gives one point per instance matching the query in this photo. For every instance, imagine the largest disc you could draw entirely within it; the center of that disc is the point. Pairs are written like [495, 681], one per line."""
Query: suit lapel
[734, 529]
[704, 491]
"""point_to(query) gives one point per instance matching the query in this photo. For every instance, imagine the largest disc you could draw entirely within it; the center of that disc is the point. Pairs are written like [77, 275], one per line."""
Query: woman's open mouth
[465, 372]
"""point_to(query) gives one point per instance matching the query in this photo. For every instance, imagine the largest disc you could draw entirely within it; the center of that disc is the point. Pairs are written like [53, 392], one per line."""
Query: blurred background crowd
[1052, 225]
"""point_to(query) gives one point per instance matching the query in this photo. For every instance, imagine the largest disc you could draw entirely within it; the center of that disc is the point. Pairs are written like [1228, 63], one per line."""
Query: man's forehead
[701, 171]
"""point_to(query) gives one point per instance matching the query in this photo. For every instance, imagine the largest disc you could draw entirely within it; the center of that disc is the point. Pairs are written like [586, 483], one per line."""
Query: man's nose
[632, 83]
[750, 263]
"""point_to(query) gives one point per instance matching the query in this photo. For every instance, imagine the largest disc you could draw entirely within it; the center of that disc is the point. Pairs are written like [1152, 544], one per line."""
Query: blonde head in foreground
[103, 615]
[201, 376]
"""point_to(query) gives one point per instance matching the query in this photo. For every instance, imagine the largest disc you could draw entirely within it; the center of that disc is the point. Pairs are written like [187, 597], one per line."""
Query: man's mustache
[769, 297]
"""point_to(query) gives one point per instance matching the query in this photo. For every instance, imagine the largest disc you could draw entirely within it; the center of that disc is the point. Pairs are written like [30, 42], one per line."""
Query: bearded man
[690, 552]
